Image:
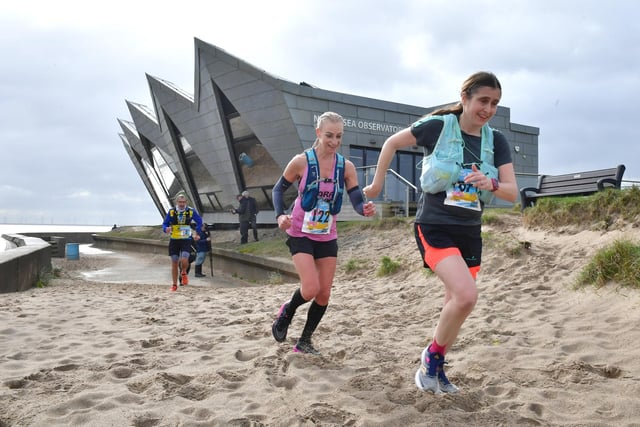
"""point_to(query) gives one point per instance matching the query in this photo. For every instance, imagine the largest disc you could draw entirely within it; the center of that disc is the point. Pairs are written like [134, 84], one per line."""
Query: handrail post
[408, 186]
[384, 192]
[406, 201]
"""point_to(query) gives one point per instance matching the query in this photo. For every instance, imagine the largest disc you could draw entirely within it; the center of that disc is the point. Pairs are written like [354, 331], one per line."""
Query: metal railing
[398, 179]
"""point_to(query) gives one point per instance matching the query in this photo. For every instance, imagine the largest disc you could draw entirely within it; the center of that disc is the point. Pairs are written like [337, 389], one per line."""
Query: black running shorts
[312, 247]
[466, 238]
[177, 247]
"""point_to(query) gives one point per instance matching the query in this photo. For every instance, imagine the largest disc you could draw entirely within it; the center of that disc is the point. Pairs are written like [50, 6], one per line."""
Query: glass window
[158, 189]
[356, 155]
[405, 166]
[258, 170]
[239, 128]
[371, 157]
[186, 147]
[163, 171]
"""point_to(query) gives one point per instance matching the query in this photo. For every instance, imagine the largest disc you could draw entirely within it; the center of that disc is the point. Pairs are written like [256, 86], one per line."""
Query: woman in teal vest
[472, 163]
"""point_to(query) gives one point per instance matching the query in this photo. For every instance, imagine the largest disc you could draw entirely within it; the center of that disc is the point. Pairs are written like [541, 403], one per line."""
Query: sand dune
[534, 352]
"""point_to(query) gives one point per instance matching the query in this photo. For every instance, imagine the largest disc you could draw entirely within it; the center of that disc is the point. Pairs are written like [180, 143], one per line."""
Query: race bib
[318, 220]
[185, 231]
[463, 195]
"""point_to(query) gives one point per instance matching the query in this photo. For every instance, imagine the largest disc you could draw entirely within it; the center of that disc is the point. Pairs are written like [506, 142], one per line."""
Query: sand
[535, 351]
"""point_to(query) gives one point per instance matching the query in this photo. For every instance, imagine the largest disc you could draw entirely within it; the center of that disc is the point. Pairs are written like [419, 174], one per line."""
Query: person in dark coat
[203, 246]
[247, 211]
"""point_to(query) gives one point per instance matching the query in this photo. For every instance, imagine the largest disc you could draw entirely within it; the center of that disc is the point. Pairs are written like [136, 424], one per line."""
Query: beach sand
[535, 351]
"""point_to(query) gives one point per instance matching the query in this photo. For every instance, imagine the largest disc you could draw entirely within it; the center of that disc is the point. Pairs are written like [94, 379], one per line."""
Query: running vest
[309, 196]
[181, 227]
[441, 168]
[174, 216]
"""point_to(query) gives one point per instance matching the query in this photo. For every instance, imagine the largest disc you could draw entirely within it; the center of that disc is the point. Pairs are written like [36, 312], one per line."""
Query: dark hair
[469, 88]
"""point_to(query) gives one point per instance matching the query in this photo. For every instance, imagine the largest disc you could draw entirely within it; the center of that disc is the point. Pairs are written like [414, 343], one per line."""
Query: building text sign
[367, 125]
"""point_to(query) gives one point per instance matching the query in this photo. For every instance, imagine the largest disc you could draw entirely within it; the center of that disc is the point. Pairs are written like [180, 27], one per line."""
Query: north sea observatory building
[242, 125]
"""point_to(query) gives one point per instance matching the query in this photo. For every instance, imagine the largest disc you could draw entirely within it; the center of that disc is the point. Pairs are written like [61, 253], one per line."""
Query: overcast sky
[570, 68]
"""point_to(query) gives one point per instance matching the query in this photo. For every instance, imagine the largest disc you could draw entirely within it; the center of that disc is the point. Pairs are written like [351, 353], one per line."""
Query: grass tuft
[619, 262]
[598, 211]
[355, 264]
[387, 266]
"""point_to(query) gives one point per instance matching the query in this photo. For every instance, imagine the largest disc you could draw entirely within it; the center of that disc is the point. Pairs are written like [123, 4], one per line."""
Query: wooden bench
[572, 184]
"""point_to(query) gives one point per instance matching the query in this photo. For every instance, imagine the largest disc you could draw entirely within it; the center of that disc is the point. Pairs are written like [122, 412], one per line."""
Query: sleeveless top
[319, 224]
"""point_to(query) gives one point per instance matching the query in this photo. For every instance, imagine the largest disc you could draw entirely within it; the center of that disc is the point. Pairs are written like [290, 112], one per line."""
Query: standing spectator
[177, 223]
[203, 246]
[253, 214]
[247, 211]
[244, 215]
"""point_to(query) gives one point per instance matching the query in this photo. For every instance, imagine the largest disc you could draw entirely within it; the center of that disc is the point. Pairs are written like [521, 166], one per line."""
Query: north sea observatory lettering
[366, 125]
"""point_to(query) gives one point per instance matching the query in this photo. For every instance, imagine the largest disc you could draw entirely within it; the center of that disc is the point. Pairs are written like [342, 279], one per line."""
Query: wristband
[495, 184]
[357, 199]
[277, 195]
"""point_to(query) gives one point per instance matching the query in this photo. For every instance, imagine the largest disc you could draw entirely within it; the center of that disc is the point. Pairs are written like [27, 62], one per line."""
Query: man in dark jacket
[203, 246]
[252, 205]
[247, 212]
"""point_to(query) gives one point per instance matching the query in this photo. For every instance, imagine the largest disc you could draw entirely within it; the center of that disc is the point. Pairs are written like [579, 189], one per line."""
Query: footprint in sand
[65, 368]
[151, 343]
[285, 382]
[122, 372]
[245, 356]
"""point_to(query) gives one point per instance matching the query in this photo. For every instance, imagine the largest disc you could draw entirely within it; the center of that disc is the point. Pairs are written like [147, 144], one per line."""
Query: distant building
[243, 125]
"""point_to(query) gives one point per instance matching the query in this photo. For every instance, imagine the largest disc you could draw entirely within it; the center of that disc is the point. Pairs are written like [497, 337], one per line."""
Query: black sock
[314, 316]
[296, 301]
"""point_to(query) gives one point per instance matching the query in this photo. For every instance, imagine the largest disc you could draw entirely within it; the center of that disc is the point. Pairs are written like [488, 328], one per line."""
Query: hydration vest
[188, 213]
[441, 168]
[309, 196]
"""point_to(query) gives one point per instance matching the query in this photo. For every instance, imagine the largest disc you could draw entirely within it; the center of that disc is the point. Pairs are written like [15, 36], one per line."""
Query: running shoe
[281, 324]
[174, 288]
[305, 346]
[445, 385]
[185, 279]
[426, 377]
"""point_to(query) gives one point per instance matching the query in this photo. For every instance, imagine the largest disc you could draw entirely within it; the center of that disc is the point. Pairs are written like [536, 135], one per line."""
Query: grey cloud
[570, 70]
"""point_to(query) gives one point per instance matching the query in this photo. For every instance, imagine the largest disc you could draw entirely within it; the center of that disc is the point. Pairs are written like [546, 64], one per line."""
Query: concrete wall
[244, 266]
[148, 246]
[69, 237]
[21, 268]
[250, 267]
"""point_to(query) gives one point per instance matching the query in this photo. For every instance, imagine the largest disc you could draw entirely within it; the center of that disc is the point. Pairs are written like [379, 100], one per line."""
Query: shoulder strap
[312, 167]
[309, 196]
[486, 154]
[452, 127]
[339, 177]
[445, 124]
[451, 138]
